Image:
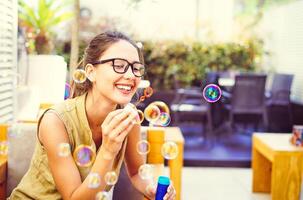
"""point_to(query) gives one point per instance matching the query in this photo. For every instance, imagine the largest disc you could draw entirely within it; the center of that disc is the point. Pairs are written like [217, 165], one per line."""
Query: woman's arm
[67, 178]
[134, 160]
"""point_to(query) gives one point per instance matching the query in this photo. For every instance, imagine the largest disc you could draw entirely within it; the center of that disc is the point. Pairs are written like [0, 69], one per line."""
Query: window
[8, 58]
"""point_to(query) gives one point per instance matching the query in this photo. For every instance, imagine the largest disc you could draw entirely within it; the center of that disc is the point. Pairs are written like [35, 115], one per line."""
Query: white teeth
[124, 87]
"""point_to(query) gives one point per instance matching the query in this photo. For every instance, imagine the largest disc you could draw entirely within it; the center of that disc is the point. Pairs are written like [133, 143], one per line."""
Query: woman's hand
[152, 189]
[171, 193]
[115, 128]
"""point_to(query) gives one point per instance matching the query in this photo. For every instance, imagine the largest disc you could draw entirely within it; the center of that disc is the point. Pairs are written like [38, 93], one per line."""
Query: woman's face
[117, 88]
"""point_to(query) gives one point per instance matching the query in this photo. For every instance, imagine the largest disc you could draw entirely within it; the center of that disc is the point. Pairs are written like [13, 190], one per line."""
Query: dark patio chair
[191, 107]
[278, 103]
[280, 89]
[248, 97]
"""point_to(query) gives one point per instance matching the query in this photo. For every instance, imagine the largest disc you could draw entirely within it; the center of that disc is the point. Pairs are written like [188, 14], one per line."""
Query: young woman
[95, 117]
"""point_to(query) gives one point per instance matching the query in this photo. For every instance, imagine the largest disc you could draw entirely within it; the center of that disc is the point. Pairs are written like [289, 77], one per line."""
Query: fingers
[114, 120]
[119, 133]
[111, 115]
[151, 190]
[125, 132]
[171, 193]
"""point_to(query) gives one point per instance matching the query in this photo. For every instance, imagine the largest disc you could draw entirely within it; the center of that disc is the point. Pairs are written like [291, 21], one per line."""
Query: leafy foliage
[39, 22]
[187, 64]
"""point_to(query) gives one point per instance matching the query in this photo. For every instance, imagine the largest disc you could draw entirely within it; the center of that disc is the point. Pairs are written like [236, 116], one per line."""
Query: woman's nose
[129, 73]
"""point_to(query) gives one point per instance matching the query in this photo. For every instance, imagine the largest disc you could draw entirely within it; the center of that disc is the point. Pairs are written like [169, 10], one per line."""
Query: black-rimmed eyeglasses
[121, 66]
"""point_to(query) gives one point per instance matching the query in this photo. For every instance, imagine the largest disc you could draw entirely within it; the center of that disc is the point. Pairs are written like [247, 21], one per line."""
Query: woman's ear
[90, 72]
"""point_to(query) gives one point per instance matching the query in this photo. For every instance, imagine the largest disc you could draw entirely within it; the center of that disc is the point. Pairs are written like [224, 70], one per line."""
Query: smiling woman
[83, 141]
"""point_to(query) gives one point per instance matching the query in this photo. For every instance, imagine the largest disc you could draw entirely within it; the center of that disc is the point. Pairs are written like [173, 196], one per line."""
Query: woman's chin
[123, 100]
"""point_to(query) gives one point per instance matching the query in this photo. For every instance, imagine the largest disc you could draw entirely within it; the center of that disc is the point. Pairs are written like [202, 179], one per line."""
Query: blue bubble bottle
[163, 183]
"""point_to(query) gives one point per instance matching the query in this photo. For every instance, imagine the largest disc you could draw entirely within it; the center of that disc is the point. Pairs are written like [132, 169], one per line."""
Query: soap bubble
[84, 155]
[79, 76]
[102, 196]
[141, 116]
[111, 178]
[142, 98]
[161, 105]
[94, 180]
[151, 113]
[146, 171]
[67, 91]
[163, 120]
[64, 150]
[169, 150]
[212, 93]
[148, 92]
[143, 147]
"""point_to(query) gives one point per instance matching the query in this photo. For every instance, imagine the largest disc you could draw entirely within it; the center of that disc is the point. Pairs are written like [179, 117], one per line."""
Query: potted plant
[46, 71]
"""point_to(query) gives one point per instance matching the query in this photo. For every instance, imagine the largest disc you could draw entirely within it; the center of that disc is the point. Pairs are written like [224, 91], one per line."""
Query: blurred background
[251, 49]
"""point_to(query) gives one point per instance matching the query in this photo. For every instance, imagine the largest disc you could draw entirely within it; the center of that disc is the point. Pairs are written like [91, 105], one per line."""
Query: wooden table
[277, 166]
[175, 165]
[3, 172]
[3, 162]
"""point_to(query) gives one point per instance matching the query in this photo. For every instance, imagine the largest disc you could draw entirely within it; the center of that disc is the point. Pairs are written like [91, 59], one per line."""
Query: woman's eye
[119, 66]
[136, 69]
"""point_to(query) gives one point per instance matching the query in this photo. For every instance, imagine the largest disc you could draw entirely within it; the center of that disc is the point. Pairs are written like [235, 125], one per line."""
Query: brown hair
[97, 46]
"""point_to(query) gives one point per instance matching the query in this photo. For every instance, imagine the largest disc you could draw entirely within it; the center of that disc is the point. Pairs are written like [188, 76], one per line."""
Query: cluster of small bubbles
[146, 171]
[212, 93]
[64, 149]
[3, 148]
[102, 195]
[169, 150]
[148, 112]
[79, 76]
[143, 147]
[146, 94]
[111, 178]
[94, 180]
[157, 113]
[84, 155]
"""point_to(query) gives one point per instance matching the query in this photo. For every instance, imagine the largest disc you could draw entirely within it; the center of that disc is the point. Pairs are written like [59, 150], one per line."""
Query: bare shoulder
[52, 129]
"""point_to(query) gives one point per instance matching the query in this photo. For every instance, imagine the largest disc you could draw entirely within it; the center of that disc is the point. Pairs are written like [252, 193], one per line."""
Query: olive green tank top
[38, 182]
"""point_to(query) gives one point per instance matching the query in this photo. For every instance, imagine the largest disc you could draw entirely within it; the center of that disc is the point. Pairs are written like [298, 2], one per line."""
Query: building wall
[170, 19]
[282, 30]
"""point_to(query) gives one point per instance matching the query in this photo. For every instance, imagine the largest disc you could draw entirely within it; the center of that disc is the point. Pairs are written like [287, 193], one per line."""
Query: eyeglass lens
[121, 65]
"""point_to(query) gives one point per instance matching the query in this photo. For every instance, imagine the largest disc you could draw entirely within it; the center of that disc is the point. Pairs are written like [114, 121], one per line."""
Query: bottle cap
[164, 180]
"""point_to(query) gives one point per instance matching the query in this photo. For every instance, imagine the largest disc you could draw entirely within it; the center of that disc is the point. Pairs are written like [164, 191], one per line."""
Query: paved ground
[204, 183]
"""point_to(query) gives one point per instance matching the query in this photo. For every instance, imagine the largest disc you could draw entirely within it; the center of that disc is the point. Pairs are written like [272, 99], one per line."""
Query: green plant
[40, 21]
[187, 63]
